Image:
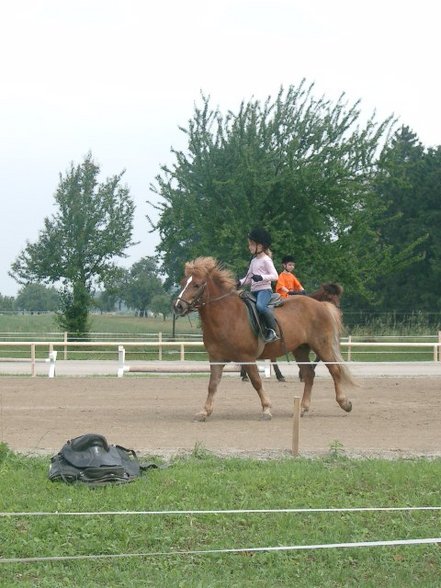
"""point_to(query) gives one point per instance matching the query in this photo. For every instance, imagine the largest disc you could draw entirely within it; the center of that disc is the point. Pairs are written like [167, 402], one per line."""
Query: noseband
[198, 301]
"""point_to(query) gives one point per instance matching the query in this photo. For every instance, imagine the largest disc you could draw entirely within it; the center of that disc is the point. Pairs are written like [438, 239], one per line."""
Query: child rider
[260, 274]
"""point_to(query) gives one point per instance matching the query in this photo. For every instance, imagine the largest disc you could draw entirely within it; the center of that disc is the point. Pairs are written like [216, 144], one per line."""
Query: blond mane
[208, 267]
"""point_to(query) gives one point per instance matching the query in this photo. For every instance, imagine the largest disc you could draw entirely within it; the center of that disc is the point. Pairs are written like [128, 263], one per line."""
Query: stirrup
[271, 336]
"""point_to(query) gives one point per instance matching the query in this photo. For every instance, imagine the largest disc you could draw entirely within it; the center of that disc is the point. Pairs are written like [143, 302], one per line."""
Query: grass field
[203, 482]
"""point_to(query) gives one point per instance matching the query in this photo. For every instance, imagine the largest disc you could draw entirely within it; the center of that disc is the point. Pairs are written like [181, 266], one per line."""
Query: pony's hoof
[282, 379]
[266, 416]
[348, 406]
[200, 417]
[304, 411]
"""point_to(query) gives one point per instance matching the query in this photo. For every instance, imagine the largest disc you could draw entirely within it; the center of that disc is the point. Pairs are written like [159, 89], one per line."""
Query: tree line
[355, 201]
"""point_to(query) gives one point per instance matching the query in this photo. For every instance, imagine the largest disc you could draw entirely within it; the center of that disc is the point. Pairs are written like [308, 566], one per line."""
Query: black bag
[91, 460]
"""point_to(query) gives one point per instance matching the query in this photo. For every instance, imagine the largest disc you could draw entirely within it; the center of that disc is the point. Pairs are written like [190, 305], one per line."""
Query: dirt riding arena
[391, 417]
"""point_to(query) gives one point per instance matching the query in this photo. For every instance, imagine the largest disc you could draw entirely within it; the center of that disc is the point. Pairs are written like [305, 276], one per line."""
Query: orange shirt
[289, 281]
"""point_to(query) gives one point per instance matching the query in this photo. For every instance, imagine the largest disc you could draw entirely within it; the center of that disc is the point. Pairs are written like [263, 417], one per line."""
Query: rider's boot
[271, 329]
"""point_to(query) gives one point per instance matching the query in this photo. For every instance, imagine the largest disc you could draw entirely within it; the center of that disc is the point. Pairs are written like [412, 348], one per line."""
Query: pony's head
[198, 274]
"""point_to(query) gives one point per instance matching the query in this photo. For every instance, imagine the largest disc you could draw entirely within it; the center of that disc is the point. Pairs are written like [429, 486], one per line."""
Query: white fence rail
[118, 348]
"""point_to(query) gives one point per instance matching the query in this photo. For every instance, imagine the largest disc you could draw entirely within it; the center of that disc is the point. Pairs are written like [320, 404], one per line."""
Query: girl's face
[254, 247]
[289, 266]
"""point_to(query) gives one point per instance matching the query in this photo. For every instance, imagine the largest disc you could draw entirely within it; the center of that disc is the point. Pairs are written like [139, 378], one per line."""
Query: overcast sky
[117, 78]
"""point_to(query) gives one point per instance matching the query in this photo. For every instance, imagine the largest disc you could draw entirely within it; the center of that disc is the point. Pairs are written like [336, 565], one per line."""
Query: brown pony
[306, 324]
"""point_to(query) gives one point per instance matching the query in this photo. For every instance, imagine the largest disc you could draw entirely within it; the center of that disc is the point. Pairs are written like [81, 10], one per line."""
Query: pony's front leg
[215, 377]
[253, 373]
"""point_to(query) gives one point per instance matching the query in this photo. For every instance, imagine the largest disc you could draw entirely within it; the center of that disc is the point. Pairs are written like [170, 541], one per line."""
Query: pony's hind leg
[215, 377]
[280, 377]
[337, 372]
[253, 373]
[306, 374]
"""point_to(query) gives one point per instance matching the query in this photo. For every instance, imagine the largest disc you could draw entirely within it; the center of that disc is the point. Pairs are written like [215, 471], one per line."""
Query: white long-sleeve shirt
[262, 266]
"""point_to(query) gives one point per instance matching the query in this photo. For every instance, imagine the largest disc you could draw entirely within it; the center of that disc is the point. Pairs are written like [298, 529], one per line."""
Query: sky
[118, 79]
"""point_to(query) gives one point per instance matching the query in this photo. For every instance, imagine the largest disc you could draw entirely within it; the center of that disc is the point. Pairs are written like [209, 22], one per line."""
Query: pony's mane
[208, 267]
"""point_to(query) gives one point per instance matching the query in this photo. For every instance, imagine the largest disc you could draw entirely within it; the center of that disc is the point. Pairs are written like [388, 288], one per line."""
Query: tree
[7, 303]
[302, 167]
[142, 285]
[161, 304]
[409, 184]
[77, 246]
[36, 297]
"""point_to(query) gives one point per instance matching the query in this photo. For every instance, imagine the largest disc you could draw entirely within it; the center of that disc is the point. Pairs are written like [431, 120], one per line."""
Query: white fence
[117, 349]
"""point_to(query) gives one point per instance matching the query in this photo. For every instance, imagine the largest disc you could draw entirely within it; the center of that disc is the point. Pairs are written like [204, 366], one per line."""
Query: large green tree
[409, 184]
[78, 244]
[301, 167]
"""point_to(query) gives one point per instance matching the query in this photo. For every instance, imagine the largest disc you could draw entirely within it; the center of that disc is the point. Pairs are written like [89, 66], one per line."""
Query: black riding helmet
[259, 235]
[288, 259]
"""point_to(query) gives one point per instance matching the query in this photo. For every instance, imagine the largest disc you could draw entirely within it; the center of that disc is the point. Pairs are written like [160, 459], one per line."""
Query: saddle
[255, 319]
[90, 459]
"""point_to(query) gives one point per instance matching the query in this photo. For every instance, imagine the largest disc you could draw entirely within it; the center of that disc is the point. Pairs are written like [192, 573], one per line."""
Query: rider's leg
[262, 299]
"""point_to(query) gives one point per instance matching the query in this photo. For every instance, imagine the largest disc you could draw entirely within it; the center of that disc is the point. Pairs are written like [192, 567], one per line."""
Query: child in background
[287, 283]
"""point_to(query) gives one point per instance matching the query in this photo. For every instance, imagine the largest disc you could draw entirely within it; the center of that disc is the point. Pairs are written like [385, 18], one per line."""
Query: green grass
[106, 323]
[204, 482]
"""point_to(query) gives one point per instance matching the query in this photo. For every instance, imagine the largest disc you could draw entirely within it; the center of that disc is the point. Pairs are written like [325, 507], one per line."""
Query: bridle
[198, 301]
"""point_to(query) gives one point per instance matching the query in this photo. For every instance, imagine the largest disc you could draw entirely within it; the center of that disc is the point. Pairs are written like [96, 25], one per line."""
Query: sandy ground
[392, 416]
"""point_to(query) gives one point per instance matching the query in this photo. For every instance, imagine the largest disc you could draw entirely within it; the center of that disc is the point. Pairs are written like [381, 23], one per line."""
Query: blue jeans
[262, 299]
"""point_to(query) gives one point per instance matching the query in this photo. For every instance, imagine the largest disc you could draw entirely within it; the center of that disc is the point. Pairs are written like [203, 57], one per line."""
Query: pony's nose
[178, 308]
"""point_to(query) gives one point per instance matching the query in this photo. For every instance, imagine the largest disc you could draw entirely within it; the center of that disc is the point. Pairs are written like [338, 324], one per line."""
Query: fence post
[267, 370]
[182, 352]
[439, 345]
[121, 360]
[65, 346]
[296, 426]
[52, 360]
[160, 346]
[33, 367]
[349, 348]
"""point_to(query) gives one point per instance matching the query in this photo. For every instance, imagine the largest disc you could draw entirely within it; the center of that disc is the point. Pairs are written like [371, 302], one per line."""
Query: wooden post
[160, 346]
[33, 367]
[349, 347]
[296, 426]
[65, 346]
[439, 347]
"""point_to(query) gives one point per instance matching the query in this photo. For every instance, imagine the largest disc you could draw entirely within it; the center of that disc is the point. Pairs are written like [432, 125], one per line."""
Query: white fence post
[267, 370]
[349, 348]
[65, 346]
[160, 346]
[439, 345]
[121, 360]
[52, 359]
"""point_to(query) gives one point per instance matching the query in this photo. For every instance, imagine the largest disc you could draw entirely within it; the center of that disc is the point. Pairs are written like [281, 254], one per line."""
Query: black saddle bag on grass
[91, 460]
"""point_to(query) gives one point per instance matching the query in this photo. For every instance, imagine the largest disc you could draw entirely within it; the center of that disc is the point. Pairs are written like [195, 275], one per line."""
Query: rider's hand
[256, 278]
[238, 284]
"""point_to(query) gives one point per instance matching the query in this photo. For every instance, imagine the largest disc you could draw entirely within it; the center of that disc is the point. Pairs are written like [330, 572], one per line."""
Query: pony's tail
[345, 375]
